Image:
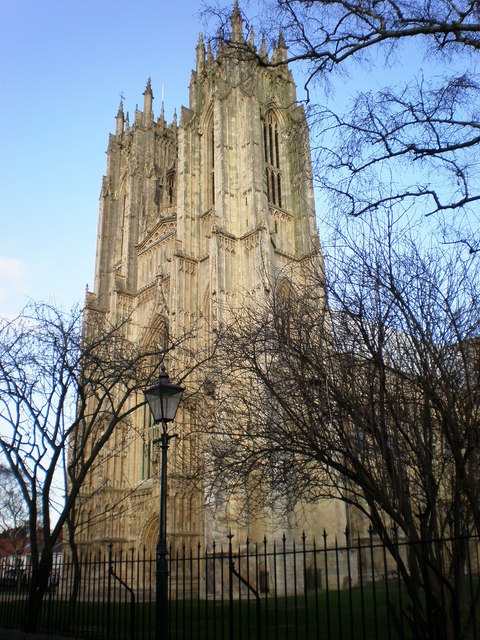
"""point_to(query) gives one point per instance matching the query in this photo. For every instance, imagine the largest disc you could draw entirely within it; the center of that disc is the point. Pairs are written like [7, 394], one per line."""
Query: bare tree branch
[374, 400]
[68, 382]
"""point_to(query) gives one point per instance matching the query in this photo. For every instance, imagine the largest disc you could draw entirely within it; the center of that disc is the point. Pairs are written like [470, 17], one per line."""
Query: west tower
[194, 215]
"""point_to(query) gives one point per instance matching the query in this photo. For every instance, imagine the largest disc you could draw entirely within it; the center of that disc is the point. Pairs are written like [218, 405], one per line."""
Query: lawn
[349, 614]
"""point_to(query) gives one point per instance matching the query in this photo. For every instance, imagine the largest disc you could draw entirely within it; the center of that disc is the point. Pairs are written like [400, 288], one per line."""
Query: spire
[251, 39]
[148, 89]
[120, 119]
[209, 52]
[148, 99]
[163, 102]
[120, 106]
[237, 23]
[280, 52]
[263, 49]
[200, 54]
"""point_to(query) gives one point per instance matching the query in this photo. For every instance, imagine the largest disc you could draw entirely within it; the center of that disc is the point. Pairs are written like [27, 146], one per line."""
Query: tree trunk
[76, 575]
[38, 589]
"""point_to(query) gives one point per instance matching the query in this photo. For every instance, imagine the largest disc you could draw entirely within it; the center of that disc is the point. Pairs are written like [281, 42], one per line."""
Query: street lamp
[163, 399]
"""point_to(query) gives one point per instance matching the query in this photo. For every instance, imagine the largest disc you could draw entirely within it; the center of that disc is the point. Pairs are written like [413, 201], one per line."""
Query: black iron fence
[279, 589]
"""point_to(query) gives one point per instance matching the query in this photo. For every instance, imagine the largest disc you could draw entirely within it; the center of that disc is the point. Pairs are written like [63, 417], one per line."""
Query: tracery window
[170, 188]
[210, 163]
[271, 142]
[147, 445]
[157, 341]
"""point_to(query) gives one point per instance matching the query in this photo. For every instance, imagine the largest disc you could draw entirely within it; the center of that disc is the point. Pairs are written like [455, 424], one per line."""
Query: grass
[335, 615]
[345, 614]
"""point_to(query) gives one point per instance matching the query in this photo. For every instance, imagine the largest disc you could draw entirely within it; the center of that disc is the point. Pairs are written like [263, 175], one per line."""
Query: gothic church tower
[193, 214]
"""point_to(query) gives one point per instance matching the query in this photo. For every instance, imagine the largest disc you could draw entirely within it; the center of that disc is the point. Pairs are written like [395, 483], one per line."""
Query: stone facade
[193, 215]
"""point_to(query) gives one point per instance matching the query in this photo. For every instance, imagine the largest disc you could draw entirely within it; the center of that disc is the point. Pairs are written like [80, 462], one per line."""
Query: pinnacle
[120, 106]
[237, 22]
[148, 88]
[263, 48]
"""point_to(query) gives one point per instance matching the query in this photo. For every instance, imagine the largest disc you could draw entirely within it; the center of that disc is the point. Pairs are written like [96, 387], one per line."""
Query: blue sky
[63, 65]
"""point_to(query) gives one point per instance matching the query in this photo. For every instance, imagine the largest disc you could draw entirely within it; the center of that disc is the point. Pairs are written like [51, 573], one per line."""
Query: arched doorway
[149, 536]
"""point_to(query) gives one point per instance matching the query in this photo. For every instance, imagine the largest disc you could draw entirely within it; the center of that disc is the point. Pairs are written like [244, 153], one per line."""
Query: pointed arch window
[271, 142]
[210, 164]
[170, 188]
[147, 446]
[285, 303]
[156, 341]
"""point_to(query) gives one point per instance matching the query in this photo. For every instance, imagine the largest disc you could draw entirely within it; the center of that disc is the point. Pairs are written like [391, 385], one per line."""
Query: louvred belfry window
[271, 141]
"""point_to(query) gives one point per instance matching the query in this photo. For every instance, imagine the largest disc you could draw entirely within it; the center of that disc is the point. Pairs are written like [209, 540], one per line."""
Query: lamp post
[163, 399]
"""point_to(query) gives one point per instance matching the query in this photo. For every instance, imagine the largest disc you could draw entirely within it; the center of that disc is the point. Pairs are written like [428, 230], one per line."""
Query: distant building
[14, 542]
[193, 215]
[15, 548]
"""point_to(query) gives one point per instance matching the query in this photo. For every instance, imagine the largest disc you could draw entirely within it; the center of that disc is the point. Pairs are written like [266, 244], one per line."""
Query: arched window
[147, 447]
[271, 141]
[285, 302]
[208, 319]
[155, 341]
[210, 164]
[170, 188]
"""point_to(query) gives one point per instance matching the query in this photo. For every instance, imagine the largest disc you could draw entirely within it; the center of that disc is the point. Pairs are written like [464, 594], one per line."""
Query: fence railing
[278, 589]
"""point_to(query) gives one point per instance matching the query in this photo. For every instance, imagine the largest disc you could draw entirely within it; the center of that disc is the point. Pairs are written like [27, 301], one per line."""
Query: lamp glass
[163, 399]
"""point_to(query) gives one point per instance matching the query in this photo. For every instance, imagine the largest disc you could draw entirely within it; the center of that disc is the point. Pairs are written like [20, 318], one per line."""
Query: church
[194, 214]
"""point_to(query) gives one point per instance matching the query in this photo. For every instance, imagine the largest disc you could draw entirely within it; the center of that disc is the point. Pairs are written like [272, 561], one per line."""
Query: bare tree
[411, 144]
[373, 399]
[64, 390]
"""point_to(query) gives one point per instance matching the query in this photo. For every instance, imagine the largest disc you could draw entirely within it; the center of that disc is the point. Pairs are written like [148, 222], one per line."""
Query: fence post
[267, 582]
[305, 586]
[109, 587]
[285, 583]
[230, 585]
[327, 586]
